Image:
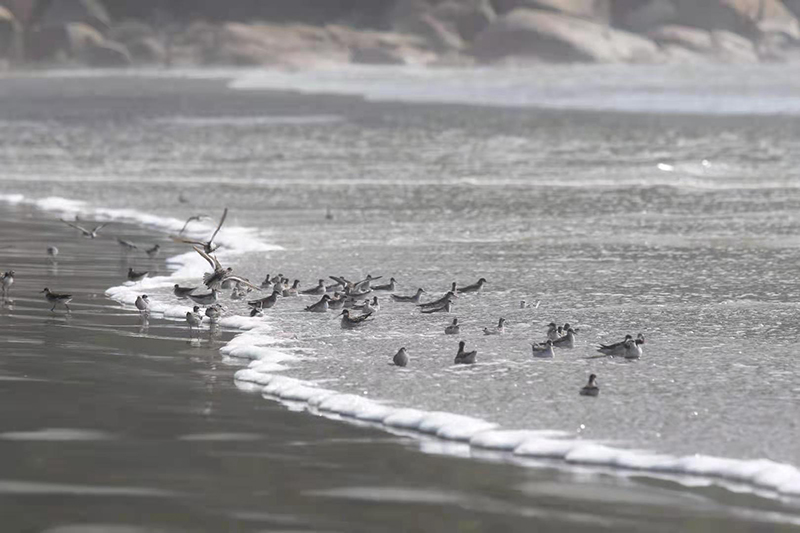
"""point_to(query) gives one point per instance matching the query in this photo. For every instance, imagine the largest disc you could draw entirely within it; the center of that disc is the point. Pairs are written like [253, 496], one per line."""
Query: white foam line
[256, 344]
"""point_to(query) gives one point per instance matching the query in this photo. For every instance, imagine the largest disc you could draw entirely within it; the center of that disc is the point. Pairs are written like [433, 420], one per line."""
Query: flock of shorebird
[341, 294]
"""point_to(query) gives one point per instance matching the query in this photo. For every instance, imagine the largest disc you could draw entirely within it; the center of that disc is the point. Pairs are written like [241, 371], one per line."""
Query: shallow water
[681, 227]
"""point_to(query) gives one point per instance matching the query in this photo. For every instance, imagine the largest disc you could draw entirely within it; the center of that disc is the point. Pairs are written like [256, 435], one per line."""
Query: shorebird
[86, 233]
[319, 289]
[544, 349]
[475, 287]
[453, 329]
[591, 388]
[369, 307]
[214, 280]
[191, 219]
[364, 284]
[292, 291]
[387, 287]
[618, 348]
[567, 341]
[213, 312]
[194, 318]
[133, 275]
[143, 304]
[56, 298]
[464, 357]
[182, 292]
[265, 303]
[240, 291]
[52, 253]
[501, 328]
[633, 349]
[336, 301]
[553, 331]
[267, 285]
[334, 287]
[401, 357]
[152, 252]
[208, 246]
[321, 306]
[350, 322]
[446, 308]
[440, 302]
[414, 298]
[127, 245]
[206, 298]
[7, 280]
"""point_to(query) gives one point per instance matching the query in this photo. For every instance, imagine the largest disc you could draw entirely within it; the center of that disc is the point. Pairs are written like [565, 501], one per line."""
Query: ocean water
[679, 223]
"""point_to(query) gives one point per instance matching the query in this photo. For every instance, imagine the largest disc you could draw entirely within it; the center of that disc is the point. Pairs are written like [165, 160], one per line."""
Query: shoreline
[565, 449]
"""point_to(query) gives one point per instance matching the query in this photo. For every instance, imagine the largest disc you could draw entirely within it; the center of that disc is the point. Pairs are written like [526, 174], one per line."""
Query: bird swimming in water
[567, 341]
[52, 253]
[291, 291]
[321, 306]
[133, 275]
[265, 303]
[440, 302]
[401, 357]
[56, 298]
[446, 308]
[475, 287]
[207, 298]
[553, 331]
[633, 348]
[86, 233]
[463, 357]
[182, 292]
[543, 350]
[453, 329]
[498, 330]
[213, 312]
[7, 280]
[390, 287]
[143, 304]
[350, 322]
[618, 348]
[319, 289]
[364, 284]
[591, 388]
[414, 298]
[336, 301]
[152, 252]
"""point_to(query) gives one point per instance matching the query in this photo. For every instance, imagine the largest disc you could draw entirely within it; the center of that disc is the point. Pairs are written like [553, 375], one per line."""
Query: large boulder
[468, 18]
[416, 17]
[555, 37]
[597, 10]
[60, 12]
[643, 15]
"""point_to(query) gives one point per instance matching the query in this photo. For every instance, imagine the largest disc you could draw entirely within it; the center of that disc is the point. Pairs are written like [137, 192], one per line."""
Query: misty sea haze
[620, 199]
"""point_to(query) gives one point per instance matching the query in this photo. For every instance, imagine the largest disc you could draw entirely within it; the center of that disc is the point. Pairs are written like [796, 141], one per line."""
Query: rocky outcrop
[467, 18]
[596, 10]
[552, 36]
[697, 44]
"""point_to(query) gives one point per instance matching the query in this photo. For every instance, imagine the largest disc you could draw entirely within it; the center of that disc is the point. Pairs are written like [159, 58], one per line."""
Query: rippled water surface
[683, 227]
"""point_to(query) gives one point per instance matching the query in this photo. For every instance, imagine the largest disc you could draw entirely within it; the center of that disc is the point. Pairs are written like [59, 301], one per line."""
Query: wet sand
[106, 425]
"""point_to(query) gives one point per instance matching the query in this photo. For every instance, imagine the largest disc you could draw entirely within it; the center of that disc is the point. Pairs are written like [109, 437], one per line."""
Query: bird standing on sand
[463, 357]
[453, 329]
[7, 280]
[86, 233]
[591, 388]
[56, 298]
[350, 322]
[213, 312]
[133, 275]
[401, 357]
[143, 304]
